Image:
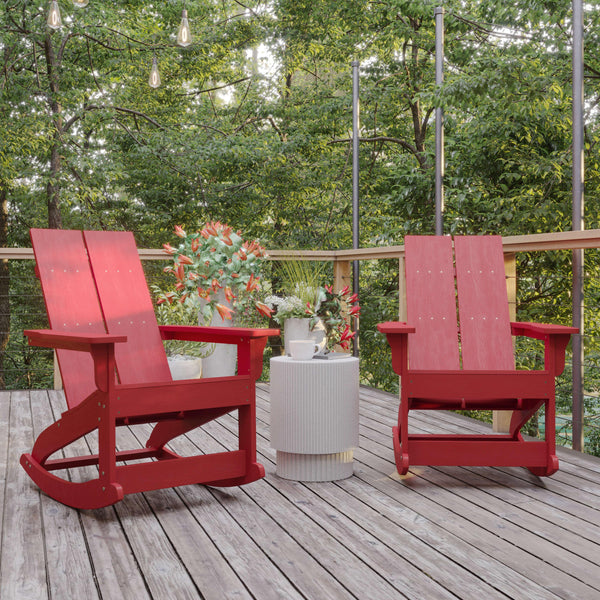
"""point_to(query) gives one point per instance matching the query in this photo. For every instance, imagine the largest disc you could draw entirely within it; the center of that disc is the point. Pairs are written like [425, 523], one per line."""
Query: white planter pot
[185, 367]
[223, 361]
[299, 329]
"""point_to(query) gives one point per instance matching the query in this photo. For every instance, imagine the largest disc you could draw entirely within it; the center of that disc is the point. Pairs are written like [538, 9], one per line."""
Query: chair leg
[402, 462]
[546, 471]
[550, 439]
[74, 424]
[400, 438]
[247, 442]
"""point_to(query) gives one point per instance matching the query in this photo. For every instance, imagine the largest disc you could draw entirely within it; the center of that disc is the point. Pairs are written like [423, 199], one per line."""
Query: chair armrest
[48, 338]
[541, 330]
[101, 346]
[250, 342]
[555, 338]
[397, 337]
[214, 335]
[395, 327]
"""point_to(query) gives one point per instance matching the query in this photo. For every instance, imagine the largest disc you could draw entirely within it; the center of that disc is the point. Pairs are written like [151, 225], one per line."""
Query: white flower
[288, 307]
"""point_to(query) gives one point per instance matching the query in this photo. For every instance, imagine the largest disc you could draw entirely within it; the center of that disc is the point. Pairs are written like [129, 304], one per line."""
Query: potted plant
[217, 270]
[184, 357]
[334, 310]
[218, 277]
[313, 311]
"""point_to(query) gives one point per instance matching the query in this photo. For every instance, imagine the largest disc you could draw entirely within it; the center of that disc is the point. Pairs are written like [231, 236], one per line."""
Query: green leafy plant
[300, 281]
[333, 309]
[180, 313]
[211, 260]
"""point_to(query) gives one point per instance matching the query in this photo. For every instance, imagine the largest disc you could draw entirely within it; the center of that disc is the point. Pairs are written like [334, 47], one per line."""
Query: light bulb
[81, 3]
[184, 37]
[154, 80]
[54, 21]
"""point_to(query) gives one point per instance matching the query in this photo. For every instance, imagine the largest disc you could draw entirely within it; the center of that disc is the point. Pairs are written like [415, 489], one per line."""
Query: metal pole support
[578, 224]
[439, 122]
[355, 196]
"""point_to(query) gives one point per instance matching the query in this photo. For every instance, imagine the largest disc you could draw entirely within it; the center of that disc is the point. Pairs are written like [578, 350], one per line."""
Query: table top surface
[324, 361]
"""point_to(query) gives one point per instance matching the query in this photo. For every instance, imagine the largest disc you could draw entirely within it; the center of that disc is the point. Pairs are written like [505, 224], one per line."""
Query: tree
[260, 138]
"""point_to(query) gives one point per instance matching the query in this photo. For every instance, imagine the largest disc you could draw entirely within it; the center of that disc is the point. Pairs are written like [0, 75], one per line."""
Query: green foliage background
[252, 123]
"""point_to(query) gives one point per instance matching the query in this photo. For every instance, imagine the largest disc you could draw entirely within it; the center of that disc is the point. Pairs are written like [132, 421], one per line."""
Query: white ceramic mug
[303, 349]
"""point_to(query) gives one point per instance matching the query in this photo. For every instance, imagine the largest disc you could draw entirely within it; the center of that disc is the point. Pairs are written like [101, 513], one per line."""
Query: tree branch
[379, 138]
[214, 89]
[121, 109]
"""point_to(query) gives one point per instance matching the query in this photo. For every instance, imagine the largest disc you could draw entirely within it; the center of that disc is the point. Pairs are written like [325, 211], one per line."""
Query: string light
[184, 36]
[54, 21]
[154, 80]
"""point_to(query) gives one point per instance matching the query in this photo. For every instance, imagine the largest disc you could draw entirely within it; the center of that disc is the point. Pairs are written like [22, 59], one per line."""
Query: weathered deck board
[446, 532]
[23, 552]
[489, 526]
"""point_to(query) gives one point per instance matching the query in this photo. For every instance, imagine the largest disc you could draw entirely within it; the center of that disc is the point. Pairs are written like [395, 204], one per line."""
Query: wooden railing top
[560, 240]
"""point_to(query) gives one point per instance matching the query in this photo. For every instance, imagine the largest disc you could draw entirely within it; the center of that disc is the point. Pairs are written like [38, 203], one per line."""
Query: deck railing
[342, 261]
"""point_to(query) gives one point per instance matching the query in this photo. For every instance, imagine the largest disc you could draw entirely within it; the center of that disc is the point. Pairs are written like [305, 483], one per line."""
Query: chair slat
[486, 341]
[127, 306]
[71, 302]
[431, 303]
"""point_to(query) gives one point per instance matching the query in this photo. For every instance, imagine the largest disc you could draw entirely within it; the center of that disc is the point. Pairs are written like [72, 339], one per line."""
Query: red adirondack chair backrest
[108, 295]
[127, 306]
[431, 303]
[71, 302]
[485, 338]
[486, 341]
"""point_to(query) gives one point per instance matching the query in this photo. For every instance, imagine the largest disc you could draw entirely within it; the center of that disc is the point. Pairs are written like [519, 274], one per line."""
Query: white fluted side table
[314, 417]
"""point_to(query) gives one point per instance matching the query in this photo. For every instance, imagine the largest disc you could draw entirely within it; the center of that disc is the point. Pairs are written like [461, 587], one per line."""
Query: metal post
[439, 122]
[355, 197]
[578, 224]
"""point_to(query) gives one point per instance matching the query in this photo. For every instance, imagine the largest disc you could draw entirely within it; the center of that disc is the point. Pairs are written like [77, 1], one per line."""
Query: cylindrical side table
[314, 417]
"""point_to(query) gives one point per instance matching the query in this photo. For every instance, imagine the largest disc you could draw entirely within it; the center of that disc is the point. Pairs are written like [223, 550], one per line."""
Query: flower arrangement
[295, 305]
[211, 260]
[333, 309]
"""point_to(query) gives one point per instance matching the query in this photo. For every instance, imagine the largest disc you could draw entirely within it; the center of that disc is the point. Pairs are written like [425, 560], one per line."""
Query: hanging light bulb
[54, 21]
[184, 36]
[81, 3]
[154, 80]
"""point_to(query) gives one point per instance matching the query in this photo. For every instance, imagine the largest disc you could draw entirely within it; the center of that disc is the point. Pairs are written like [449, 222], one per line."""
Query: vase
[222, 362]
[299, 329]
[185, 367]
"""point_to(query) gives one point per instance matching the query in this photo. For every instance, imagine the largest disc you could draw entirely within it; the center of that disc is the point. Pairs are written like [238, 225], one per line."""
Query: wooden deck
[477, 533]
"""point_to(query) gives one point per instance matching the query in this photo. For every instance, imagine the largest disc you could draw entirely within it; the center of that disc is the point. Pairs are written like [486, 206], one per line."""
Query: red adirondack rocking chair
[438, 374]
[115, 373]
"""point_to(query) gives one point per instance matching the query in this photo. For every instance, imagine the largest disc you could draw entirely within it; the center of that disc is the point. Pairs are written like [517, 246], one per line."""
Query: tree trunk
[420, 128]
[4, 285]
[53, 187]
